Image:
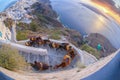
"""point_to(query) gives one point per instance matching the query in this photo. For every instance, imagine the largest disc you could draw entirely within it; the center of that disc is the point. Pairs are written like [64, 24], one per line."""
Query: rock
[44, 8]
[45, 14]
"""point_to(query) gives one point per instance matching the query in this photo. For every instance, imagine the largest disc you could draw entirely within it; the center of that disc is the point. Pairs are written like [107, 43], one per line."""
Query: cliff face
[44, 10]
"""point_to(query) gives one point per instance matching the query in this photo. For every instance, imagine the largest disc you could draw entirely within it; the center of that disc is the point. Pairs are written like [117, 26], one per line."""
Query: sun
[105, 10]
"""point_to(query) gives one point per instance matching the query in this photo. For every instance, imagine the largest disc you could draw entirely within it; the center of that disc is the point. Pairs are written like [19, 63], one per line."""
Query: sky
[117, 3]
[5, 3]
[108, 7]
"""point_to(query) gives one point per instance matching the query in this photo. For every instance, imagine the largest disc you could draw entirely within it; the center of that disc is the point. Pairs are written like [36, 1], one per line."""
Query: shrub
[22, 35]
[33, 26]
[91, 50]
[42, 18]
[55, 34]
[10, 58]
[23, 25]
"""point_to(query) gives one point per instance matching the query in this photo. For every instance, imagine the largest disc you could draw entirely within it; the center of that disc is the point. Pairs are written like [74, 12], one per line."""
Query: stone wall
[30, 54]
[31, 57]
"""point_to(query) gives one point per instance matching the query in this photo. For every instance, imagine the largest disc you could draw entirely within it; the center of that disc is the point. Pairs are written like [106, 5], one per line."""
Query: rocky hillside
[45, 15]
[95, 39]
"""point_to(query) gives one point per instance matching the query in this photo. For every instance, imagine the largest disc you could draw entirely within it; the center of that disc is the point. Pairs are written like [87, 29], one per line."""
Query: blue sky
[5, 3]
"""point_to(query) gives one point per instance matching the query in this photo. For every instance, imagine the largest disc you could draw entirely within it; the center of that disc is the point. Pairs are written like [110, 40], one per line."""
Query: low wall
[31, 57]
[78, 51]
[30, 53]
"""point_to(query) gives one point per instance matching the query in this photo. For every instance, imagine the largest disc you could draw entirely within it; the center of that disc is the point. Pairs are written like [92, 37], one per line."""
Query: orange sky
[106, 8]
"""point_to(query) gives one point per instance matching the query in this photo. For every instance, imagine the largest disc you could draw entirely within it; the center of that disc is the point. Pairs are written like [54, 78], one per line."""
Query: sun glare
[105, 10]
[108, 11]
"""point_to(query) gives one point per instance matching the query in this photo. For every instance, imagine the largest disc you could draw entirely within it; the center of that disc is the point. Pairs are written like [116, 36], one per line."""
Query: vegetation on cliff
[107, 48]
[91, 50]
[10, 58]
